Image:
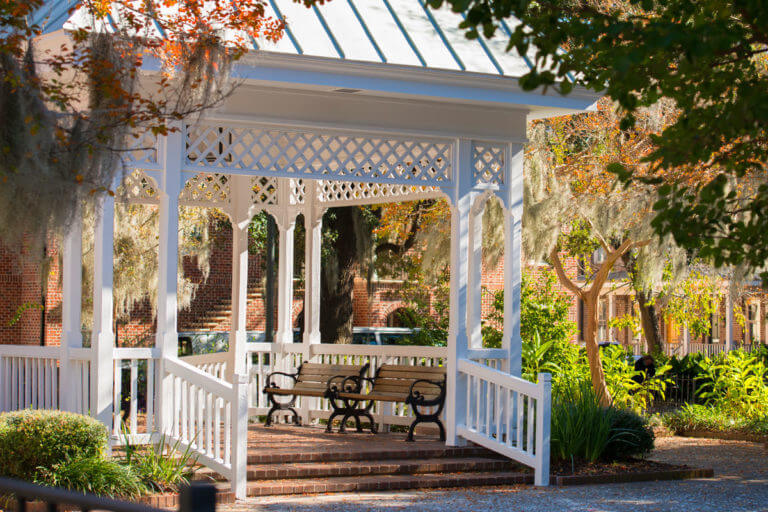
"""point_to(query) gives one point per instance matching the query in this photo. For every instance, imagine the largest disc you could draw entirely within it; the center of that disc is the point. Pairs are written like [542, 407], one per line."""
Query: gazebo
[363, 102]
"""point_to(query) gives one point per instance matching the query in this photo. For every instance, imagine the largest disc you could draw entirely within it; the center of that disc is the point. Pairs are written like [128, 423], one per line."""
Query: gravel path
[740, 485]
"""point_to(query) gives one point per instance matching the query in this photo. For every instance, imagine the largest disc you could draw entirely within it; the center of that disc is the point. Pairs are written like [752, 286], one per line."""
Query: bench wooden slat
[294, 391]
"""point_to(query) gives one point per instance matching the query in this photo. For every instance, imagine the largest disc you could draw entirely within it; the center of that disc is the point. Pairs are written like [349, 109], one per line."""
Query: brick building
[375, 305]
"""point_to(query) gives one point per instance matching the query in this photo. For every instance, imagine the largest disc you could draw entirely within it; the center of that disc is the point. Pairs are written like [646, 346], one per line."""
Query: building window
[602, 320]
[714, 327]
[753, 324]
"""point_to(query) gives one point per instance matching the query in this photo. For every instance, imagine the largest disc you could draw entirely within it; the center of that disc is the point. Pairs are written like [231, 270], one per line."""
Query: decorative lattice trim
[264, 190]
[142, 150]
[206, 190]
[138, 188]
[488, 163]
[298, 191]
[351, 192]
[319, 155]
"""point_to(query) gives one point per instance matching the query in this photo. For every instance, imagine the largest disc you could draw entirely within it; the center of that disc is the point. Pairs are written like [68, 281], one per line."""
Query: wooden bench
[421, 387]
[310, 380]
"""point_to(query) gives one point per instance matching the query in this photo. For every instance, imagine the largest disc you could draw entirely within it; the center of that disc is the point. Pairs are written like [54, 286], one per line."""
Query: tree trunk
[336, 294]
[650, 324]
[593, 350]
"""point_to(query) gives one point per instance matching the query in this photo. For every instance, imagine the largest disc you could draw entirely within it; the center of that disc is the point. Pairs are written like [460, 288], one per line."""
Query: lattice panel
[488, 163]
[206, 190]
[332, 156]
[298, 191]
[264, 190]
[138, 188]
[142, 150]
[343, 191]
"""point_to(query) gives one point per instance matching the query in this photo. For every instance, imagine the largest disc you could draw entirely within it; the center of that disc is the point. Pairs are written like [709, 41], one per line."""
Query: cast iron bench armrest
[294, 376]
[415, 396]
[333, 389]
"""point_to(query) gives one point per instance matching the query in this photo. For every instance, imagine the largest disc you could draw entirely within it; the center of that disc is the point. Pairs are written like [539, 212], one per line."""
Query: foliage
[628, 321]
[693, 301]
[637, 442]
[78, 108]
[93, 475]
[736, 383]
[708, 60]
[162, 467]
[632, 389]
[33, 439]
[584, 429]
[701, 417]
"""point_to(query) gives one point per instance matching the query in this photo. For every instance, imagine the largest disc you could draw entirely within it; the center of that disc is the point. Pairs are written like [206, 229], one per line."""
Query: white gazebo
[362, 102]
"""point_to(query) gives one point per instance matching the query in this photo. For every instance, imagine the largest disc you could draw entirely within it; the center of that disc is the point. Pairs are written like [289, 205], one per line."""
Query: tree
[575, 207]
[78, 107]
[708, 59]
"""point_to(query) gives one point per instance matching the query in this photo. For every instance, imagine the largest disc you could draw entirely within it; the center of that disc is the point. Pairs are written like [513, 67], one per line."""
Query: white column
[475, 281]
[102, 338]
[608, 329]
[729, 324]
[167, 338]
[313, 225]
[71, 302]
[458, 335]
[286, 224]
[241, 218]
[511, 339]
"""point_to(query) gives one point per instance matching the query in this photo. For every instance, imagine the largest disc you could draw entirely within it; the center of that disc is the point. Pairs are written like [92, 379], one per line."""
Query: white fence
[29, 377]
[508, 415]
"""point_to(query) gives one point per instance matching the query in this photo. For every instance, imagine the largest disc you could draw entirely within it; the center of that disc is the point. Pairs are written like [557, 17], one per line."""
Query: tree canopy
[707, 58]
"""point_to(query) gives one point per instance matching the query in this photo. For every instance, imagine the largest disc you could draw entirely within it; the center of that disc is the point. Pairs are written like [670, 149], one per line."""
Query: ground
[740, 485]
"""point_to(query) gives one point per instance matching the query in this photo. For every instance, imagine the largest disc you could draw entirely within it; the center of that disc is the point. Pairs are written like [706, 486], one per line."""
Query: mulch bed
[631, 470]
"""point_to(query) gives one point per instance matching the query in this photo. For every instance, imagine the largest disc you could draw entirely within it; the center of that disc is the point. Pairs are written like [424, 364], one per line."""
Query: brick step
[386, 482]
[258, 457]
[360, 468]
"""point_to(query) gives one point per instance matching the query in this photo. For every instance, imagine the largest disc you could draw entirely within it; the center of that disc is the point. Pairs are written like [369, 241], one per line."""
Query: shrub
[637, 436]
[581, 427]
[736, 384]
[162, 467]
[699, 417]
[94, 475]
[33, 439]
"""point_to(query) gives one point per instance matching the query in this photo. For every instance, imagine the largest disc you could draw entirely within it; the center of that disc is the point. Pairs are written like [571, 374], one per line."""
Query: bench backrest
[314, 376]
[396, 379]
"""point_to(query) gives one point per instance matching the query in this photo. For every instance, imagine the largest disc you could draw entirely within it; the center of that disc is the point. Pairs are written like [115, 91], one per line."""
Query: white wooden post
[608, 328]
[313, 227]
[241, 218]
[729, 324]
[286, 224]
[240, 436]
[458, 335]
[71, 303]
[511, 339]
[475, 281]
[686, 340]
[102, 339]
[543, 427]
[167, 337]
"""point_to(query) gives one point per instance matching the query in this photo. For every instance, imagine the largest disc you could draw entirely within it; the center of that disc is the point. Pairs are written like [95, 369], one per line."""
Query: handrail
[214, 385]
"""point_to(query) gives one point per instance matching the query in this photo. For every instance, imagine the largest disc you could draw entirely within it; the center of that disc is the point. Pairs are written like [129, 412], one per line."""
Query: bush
[637, 436]
[582, 429]
[34, 439]
[162, 467]
[94, 475]
[699, 417]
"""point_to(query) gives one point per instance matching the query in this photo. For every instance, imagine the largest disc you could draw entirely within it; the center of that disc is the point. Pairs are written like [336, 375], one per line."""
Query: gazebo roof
[401, 32]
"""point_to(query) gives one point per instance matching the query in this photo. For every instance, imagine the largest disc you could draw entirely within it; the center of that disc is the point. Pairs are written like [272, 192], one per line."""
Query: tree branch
[564, 279]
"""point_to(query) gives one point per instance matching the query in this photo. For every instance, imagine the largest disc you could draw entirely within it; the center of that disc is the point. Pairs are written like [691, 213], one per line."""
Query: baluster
[200, 411]
[531, 429]
[227, 432]
[217, 432]
[508, 417]
[208, 424]
[134, 395]
[150, 395]
[191, 417]
[117, 397]
[467, 420]
[520, 416]
[184, 411]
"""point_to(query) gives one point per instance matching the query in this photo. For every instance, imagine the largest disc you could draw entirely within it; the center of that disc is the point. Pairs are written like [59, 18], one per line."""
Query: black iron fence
[17, 494]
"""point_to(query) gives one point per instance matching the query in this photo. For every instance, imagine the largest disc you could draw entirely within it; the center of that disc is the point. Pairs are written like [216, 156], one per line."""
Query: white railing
[709, 349]
[135, 381]
[29, 377]
[262, 361]
[214, 363]
[210, 416]
[80, 380]
[508, 415]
